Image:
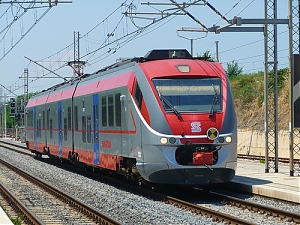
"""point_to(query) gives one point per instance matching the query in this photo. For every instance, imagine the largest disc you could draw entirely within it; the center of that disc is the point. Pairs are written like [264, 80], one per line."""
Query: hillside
[248, 94]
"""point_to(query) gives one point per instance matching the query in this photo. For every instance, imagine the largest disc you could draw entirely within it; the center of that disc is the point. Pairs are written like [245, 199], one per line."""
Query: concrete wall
[252, 142]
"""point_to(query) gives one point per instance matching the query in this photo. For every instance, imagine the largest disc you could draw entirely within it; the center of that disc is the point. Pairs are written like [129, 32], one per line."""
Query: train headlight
[228, 139]
[164, 140]
[172, 140]
[221, 139]
[183, 68]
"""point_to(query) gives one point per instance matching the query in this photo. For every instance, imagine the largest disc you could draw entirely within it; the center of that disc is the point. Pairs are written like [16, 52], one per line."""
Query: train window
[138, 95]
[111, 110]
[48, 125]
[38, 128]
[30, 118]
[51, 131]
[76, 117]
[65, 129]
[104, 112]
[190, 95]
[44, 120]
[89, 129]
[69, 118]
[83, 120]
[118, 109]
[83, 103]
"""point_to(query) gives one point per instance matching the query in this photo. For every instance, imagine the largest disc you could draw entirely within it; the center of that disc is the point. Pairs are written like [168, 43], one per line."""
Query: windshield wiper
[163, 99]
[215, 101]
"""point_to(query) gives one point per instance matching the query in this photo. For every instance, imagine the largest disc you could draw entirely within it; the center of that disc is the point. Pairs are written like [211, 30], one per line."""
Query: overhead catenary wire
[116, 43]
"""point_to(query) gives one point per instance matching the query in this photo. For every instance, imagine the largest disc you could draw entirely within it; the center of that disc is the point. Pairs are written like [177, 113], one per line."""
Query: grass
[248, 94]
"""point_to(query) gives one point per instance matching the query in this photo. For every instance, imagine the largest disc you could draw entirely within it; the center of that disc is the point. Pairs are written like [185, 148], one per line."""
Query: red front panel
[202, 158]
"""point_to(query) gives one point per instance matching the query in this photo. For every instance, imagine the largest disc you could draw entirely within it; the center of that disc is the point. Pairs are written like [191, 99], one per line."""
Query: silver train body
[165, 118]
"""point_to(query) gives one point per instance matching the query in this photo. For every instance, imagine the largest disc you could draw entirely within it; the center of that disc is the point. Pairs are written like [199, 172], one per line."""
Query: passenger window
[48, 125]
[118, 109]
[84, 129]
[104, 114]
[44, 120]
[76, 117]
[38, 128]
[138, 95]
[69, 118]
[89, 129]
[111, 110]
[51, 131]
[65, 128]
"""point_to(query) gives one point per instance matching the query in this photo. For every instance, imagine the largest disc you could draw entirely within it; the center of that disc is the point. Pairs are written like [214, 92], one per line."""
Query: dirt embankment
[250, 106]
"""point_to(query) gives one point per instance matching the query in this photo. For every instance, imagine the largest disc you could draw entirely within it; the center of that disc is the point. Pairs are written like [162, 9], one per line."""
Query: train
[165, 118]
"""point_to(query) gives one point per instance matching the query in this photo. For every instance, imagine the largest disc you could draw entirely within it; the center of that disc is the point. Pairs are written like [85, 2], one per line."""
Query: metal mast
[25, 86]
[26, 97]
[76, 48]
[294, 96]
[77, 65]
[271, 88]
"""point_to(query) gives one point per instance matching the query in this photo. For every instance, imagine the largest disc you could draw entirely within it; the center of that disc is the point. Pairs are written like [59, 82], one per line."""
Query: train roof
[156, 54]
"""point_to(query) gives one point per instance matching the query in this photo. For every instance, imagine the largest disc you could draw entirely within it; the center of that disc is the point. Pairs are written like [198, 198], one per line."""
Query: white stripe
[296, 91]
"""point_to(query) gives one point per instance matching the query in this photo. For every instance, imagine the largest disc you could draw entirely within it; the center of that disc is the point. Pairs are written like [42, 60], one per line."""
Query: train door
[59, 114]
[34, 128]
[96, 128]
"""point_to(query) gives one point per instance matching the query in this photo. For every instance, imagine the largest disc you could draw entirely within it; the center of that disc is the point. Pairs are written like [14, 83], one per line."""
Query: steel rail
[291, 217]
[257, 157]
[19, 207]
[97, 216]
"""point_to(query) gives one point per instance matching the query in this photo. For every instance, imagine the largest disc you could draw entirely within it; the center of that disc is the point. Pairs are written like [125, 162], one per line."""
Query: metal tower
[271, 88]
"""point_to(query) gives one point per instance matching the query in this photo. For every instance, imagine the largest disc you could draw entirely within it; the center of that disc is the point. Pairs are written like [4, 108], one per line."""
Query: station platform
[4, 220]
[251, 177]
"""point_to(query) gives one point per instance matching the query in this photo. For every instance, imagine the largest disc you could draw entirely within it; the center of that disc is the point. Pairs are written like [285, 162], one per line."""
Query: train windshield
[189, 95]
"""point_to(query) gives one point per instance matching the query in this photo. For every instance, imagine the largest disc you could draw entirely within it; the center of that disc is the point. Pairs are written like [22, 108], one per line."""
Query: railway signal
[12, 106]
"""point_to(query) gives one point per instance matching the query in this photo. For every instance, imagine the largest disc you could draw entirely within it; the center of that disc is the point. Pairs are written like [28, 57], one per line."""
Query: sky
[107, 34]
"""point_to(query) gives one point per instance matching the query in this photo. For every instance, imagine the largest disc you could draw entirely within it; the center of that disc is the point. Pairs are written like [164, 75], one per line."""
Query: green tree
[206, 56]
[233, 69]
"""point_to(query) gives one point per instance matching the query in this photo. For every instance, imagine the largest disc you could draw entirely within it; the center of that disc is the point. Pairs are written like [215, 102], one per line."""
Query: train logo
[196, 126]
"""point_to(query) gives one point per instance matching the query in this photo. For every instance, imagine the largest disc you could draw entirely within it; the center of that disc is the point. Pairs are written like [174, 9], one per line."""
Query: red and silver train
[166, 118]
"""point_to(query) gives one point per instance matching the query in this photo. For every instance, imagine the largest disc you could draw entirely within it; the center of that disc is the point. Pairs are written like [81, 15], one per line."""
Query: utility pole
[217, 50]
[5, 115]
[25, 94]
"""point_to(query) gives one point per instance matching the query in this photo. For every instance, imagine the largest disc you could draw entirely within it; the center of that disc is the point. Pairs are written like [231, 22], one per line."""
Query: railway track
[289, 216]
[257, 157]
[217, 216]
[40, 203]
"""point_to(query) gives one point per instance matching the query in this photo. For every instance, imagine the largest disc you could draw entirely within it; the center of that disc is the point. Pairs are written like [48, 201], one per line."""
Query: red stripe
[37, 101]
[61, 95]
[125, 79]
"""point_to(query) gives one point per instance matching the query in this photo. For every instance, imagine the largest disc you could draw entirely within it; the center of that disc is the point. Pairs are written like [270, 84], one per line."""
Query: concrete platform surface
[251, 177]
[4, 220]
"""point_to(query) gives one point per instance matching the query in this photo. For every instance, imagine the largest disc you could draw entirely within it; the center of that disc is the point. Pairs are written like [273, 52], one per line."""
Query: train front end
[190, 137]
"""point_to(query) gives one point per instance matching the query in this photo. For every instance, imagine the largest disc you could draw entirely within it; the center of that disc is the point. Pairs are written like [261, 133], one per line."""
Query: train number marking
[106, 144]
[196, 126]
